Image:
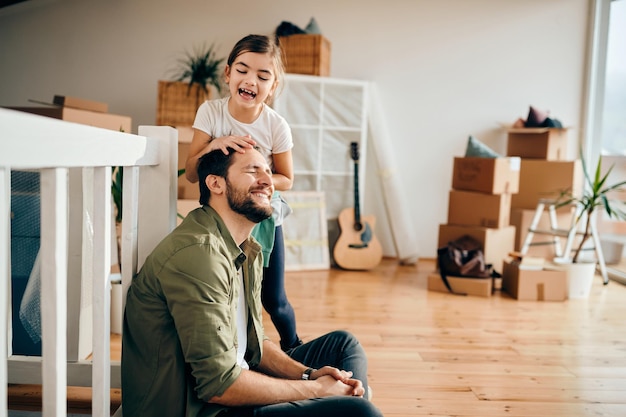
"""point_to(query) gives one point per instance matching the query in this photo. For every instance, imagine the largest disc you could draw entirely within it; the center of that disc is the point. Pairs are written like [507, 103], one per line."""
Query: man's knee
[345, 338]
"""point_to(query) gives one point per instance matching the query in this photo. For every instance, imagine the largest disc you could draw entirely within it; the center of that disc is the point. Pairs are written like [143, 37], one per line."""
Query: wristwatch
[306, 375]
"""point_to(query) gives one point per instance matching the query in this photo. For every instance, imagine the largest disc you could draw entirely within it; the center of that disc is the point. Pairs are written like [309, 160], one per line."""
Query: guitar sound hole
[358, 226]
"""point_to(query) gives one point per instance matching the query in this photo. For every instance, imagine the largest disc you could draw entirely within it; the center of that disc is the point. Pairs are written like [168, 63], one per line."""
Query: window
[614, 107]
[604, 124]
[604, 127]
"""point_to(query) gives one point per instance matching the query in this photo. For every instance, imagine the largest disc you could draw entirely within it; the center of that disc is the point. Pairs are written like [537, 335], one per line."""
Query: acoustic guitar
[357, 247]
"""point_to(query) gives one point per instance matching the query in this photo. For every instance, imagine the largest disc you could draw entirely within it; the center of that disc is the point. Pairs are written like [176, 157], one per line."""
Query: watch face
[306, 375]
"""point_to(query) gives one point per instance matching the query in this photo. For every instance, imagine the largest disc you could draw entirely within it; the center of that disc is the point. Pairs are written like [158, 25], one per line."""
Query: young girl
[243, 120]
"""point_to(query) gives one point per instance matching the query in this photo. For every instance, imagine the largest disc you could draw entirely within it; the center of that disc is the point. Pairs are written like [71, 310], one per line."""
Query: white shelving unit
[326, 115]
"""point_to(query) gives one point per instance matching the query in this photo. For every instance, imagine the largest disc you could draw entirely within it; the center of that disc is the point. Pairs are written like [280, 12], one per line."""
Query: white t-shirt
[270, 130]
[242, 324]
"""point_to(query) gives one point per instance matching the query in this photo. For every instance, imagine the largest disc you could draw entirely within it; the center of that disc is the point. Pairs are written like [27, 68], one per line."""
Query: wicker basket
[177, 103]
[306, 54]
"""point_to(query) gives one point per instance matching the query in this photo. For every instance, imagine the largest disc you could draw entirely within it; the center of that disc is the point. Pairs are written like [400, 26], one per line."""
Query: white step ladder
[570, 234]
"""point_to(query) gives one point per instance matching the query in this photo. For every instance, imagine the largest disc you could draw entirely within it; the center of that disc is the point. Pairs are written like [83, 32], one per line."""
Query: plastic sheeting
[395, 204]
[30, 314]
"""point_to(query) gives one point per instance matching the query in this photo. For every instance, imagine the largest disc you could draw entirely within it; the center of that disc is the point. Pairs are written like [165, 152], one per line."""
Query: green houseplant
[201, 67]
[595, 197]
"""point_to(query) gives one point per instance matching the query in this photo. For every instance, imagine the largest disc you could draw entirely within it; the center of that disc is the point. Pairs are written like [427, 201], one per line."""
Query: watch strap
[306, 375]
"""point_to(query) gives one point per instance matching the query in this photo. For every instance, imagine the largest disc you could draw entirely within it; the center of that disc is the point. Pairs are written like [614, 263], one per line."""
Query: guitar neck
[357, 211]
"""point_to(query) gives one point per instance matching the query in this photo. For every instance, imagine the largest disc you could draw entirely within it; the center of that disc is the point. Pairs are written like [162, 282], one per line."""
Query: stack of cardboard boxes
[480, 206]
[545, 172]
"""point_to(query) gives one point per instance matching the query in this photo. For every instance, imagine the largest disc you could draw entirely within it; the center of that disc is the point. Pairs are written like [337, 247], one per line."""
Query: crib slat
[101, 368]
[80, 238]
[54, 207]
[5, 282]
[129, 243]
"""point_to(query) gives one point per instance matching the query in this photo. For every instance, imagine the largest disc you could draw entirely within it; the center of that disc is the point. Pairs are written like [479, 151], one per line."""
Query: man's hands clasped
[337, 382]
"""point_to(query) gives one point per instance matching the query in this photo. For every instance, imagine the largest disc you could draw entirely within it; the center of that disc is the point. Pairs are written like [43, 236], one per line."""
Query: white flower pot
[579, 277]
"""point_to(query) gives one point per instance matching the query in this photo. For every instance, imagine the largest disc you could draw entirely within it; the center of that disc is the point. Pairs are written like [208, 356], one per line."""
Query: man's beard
[242, 203]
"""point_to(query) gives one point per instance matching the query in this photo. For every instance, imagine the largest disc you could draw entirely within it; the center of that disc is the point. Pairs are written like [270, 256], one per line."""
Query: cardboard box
[306, 54]
[467, 208]
[546, 179]
[539, 285]
[183, 207]
[85, 117]
[542, 245]
[539, 143]
[186, 189]
[81, 103]
[481, 287]
[487, 175]
[497, 243]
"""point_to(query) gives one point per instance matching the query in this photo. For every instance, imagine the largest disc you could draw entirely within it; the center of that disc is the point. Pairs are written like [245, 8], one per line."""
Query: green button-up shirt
[179, 344]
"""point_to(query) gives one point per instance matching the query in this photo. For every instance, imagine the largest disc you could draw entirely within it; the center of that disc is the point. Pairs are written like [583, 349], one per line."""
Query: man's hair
[213, 163]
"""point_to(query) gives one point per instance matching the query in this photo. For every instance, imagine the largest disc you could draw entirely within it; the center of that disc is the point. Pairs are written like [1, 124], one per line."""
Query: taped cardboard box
[487, 175]
[546, 179]
[469, 208]
[85, 117]
[550, 144]
[184, 207]
[481, 287]
[497, 243]
[534, 284]
[80, 103]
[186, 189]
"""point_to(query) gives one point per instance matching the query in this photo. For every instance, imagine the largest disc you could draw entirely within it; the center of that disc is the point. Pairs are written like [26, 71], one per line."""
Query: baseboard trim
[617, 275]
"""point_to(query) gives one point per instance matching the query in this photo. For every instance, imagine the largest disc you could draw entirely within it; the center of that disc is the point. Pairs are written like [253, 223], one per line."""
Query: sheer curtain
[604, 123]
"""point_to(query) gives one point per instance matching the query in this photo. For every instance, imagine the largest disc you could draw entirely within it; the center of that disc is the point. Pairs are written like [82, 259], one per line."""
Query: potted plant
[196, 74]
[596, 196]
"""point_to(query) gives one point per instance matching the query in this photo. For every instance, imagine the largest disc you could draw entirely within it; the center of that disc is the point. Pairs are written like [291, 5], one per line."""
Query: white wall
[444, 69]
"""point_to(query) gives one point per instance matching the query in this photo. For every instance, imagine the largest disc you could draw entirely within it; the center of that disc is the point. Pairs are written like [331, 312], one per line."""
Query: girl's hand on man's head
[238, 143]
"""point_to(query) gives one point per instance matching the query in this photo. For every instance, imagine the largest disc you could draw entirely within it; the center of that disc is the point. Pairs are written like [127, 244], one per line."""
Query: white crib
[75, 163]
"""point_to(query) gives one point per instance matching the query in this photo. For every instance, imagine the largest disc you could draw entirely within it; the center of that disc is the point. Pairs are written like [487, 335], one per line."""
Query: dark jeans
[339, 349]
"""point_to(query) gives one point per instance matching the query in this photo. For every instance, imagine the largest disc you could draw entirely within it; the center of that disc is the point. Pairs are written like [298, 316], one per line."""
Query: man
[193, 341]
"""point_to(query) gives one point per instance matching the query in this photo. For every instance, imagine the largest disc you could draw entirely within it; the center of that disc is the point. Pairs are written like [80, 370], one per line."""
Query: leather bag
[463, 257]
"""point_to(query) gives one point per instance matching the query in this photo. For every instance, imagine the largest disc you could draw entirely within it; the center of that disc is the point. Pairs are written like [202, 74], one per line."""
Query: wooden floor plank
[438, 354]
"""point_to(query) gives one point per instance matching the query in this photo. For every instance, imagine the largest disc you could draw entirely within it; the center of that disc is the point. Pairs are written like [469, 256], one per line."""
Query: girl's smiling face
[251, 78]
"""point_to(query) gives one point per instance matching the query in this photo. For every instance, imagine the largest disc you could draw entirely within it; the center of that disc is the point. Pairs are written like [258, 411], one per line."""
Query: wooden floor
[439, 354]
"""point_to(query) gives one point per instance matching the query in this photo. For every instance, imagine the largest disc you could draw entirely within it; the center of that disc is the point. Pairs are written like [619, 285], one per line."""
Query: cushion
[551, 122]
[536, 118]
[478, 149]
[287, 28]
[312, 28]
